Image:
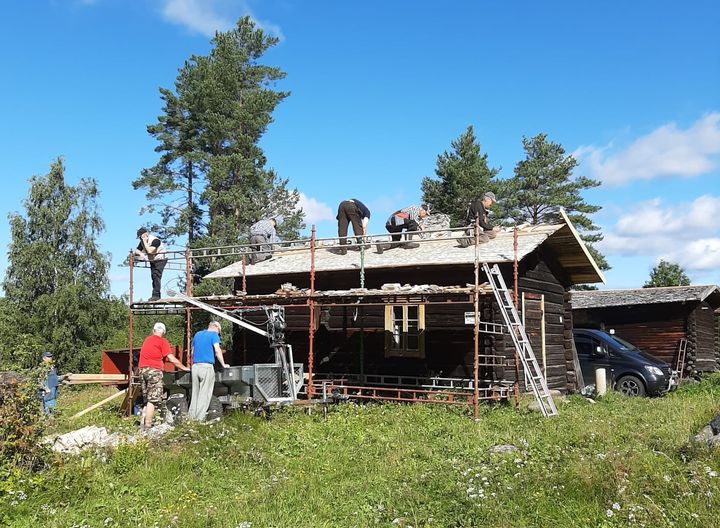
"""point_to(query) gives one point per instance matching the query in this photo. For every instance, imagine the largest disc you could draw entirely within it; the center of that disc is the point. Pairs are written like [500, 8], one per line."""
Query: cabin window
[405, 330]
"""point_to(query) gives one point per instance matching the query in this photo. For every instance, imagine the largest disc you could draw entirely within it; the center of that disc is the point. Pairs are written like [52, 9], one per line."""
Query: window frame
[397, 336]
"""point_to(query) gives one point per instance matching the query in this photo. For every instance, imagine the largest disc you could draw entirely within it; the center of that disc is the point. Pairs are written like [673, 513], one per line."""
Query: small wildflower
[616, 506]
[609, 513]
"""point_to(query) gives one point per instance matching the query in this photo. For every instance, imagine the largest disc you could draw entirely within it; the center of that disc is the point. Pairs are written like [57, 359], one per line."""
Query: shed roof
[671, 294]
[562, 239]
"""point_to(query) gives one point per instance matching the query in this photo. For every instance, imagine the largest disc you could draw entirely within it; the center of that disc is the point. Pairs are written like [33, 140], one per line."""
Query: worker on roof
[406, 219]
[478, 210]
[151, 249]
[353, 212]
[154, 350]
[205, 349]
[263, 236]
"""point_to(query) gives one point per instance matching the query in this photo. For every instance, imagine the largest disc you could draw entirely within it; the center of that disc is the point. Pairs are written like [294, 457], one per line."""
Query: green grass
[620, 462]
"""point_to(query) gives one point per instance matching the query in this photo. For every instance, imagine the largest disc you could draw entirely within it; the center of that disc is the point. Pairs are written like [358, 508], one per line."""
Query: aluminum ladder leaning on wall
[520, 340]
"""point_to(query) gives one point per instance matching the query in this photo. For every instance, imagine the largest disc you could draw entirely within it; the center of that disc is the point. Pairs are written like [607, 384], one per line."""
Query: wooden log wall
[701, 339]
[658, 328]
[535, 279]
[449, 342]
[717, 337]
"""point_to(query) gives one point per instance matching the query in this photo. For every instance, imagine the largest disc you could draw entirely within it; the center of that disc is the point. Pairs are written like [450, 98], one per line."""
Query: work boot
[154, 298]
[338, 251]
[410, 245]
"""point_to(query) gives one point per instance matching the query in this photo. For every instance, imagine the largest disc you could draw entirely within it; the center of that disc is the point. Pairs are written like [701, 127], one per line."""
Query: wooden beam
[98, 404]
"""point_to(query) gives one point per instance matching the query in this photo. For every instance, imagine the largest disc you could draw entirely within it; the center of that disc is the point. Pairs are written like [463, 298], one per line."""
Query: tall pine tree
[543, 183]
[211, 181]
[57, 276]
[462, 175]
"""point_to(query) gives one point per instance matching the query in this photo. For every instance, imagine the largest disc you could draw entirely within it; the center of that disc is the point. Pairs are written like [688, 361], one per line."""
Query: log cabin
[405, 317]
[656, 319]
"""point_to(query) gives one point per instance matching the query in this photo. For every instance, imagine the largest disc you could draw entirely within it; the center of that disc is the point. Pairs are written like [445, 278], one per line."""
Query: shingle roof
[562, 239]
[672, 294]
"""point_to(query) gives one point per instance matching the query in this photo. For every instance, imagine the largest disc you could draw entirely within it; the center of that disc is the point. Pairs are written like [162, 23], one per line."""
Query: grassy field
[619, 462]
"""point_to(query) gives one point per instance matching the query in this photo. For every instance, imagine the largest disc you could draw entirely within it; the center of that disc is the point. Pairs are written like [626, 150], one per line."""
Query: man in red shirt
[154, 350]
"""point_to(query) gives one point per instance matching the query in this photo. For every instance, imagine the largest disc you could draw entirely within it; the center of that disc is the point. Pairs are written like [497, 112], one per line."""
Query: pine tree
[462, 175]
[543, 183]
[57, 276]
[212, 176]
[667, 274]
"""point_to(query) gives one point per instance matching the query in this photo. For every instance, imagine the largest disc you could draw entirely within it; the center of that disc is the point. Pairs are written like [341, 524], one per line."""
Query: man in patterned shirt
[263, 236]
[406, 219]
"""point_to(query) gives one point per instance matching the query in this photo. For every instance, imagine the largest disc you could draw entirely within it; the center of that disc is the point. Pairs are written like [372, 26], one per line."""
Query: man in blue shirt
[205, 348]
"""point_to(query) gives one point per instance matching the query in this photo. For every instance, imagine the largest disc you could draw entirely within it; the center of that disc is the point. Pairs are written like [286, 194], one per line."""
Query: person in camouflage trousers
[154, 350]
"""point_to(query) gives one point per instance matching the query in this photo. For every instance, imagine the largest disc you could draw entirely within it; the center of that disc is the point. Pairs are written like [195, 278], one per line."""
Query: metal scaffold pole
[361, 313]
[311, 325]
[129, 394]
[476, 301]
[188, 311]
[516, 386]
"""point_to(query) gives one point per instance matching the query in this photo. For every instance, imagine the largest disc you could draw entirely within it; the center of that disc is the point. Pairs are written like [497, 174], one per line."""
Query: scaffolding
[436, 390]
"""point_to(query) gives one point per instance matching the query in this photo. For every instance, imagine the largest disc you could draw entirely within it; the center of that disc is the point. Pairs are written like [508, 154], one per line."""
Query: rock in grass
[715, 425]
[714, 441]
[502, 449]
[704, 436]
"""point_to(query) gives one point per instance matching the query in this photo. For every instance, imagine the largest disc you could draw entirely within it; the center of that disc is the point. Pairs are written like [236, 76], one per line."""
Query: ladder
[682, 351]
[520, 340]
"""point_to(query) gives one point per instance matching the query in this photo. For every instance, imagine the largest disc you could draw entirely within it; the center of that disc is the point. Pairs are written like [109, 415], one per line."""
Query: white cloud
[315, 211]
[199, 16]
[667, 151]
[208, 16]
[687, 234]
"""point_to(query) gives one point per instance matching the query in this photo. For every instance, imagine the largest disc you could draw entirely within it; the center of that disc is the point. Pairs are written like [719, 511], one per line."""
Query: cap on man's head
[47, 354]
[140, 232]
[426, 207]
[490, 195]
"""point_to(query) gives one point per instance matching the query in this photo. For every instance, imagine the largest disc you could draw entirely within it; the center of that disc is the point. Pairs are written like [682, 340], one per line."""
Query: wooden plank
[98, 404]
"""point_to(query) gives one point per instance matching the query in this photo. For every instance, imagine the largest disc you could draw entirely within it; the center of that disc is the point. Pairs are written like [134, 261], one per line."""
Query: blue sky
[379, 89]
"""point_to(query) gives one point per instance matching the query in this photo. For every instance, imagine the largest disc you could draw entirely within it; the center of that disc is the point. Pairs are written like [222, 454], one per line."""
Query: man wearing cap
[479, 209]
[353, 212]
[406, 219]
[49, 390]
[205, 348]
[154, 350]
[152, 249]
[263, 236]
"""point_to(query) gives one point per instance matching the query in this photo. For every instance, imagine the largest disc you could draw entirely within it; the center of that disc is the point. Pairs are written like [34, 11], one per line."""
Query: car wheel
[630, 386]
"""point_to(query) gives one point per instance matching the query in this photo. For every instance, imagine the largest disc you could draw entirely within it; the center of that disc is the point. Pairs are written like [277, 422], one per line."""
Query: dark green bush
[22, 422]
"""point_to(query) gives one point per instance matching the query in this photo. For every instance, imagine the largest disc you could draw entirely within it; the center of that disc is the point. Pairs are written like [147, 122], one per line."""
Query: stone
[502, 449]
[715, 424]
[704, 436]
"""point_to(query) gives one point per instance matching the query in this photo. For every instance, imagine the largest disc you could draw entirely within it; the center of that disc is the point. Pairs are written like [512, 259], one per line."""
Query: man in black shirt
[479, 209]
[353, 212]
[152, 250]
